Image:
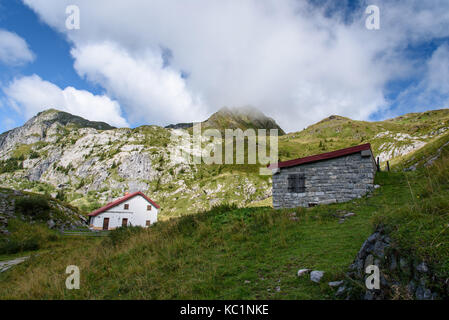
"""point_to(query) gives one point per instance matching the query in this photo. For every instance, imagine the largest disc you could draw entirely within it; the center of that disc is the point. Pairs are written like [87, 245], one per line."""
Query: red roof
[322, 156]
[118, 201]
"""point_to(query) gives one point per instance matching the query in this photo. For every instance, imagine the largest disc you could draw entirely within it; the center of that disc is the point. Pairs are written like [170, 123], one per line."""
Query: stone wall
[326, 181]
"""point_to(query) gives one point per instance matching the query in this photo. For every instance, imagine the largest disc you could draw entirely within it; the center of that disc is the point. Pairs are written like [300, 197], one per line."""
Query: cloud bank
[30, 95]
[178, 61]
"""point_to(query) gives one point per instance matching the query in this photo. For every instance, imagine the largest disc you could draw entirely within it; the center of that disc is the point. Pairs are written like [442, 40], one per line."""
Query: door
[124, 222]
[105, 223]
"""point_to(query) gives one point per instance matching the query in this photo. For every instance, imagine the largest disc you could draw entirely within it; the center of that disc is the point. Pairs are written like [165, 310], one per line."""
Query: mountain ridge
[91, 166]
[246, 117]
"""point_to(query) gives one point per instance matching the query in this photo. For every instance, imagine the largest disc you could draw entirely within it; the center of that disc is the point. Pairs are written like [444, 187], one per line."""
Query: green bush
[34, 155]
[34, 206]
[11, 165]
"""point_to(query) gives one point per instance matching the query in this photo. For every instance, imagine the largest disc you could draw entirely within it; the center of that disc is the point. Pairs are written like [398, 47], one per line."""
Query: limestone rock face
[92, 163]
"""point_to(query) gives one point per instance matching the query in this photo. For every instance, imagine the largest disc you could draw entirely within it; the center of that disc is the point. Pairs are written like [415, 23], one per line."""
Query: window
[296, 183]
[124, 222]
[149, 207]
[148, 223]
[126, 206]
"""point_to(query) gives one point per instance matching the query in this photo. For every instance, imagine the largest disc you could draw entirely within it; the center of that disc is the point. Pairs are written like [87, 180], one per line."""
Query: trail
[5, 265]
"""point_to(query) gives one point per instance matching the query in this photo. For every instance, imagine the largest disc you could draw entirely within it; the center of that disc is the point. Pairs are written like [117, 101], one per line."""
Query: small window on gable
[149, 207]
[126, 206]
[296, 183]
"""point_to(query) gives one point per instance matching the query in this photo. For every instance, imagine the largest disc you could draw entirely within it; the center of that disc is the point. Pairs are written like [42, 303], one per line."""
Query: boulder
[302, 272]
[316, 276]
[335, 283]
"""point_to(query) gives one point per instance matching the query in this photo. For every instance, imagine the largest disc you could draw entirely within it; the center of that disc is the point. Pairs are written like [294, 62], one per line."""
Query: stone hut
[331, 177]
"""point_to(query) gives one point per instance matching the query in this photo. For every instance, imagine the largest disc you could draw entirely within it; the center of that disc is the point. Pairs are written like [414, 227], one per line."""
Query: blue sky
[53, 61]
[167, 62]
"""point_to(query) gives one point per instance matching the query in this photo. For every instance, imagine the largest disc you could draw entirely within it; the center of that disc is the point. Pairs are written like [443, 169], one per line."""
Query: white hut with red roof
[134, 209]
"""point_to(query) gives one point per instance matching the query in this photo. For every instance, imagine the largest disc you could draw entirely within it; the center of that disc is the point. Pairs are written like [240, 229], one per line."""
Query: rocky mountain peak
[245, 117]
[44, 124]
[51, 116]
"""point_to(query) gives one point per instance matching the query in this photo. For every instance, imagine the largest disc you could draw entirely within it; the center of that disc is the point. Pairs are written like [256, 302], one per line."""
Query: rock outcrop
[401, 276]
[57, 215]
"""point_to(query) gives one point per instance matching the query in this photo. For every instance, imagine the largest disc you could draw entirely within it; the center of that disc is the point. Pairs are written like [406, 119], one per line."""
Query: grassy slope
[338, 132]
[210, 255]
[421, 157]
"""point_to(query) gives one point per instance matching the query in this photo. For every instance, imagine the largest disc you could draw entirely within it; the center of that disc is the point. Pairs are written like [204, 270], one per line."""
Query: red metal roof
[121, 200]
[322, 156]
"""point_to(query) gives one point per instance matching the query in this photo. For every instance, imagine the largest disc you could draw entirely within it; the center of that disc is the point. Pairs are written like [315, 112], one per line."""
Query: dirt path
[5, 265]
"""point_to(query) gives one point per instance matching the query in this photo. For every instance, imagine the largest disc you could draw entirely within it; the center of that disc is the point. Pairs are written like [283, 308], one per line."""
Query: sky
[167, 61]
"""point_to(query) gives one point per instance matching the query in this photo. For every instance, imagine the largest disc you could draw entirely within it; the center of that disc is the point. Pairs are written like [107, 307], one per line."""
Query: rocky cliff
[92, 163]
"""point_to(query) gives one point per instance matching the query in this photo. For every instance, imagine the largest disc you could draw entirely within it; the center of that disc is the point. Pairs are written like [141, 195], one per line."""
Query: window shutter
[301, 183]
[291, 183]
[296, 183]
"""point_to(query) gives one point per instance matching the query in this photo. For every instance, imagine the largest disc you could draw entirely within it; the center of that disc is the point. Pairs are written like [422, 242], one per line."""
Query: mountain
[390, 139]
[92, 166]
[90, 163]
[183, 125]
[235, 118]
[44, 124]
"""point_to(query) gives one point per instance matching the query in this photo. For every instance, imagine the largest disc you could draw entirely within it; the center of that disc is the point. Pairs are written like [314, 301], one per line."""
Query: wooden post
[388, 166]
[378, 164]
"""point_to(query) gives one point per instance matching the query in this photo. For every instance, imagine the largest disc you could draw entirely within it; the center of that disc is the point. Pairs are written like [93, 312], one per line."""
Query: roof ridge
[321, 156]
[121, 200]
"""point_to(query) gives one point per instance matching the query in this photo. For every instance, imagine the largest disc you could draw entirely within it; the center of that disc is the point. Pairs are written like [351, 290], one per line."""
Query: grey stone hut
[326, 178]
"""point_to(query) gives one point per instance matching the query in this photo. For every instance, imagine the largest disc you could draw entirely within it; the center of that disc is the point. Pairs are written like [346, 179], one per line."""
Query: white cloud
[30, 95]
[13, 49]
[285, 57]
[438, 70]
[432, 91]
[149, 90]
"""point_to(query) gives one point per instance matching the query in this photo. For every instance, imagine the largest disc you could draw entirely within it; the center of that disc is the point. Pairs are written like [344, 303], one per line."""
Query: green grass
[213, 254]
[421, 156]
[420, 226]
[209, 256]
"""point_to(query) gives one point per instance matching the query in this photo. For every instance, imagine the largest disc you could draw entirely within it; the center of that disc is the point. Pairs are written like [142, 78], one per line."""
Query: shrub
[34, 155]
[34, 206]
[11, 165]
[60, 195]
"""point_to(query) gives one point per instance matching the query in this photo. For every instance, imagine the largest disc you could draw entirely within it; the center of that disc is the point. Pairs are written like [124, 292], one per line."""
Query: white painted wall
[137, 214]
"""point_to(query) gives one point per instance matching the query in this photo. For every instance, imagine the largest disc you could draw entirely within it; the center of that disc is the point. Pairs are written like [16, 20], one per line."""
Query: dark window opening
[148, 223]
[127, 206]
[149, 207]
[106, 224]
[296, 183]
[124, 222]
